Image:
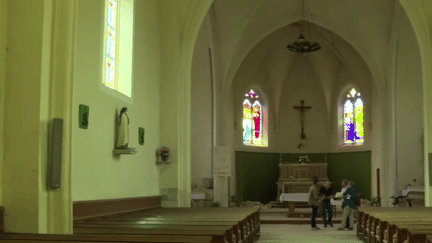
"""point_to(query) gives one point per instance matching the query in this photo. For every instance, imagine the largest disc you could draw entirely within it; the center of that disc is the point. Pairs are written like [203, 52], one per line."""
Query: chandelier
[302, 45]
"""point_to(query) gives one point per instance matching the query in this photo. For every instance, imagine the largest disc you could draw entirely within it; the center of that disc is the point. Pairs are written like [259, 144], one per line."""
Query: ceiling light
[302, 45]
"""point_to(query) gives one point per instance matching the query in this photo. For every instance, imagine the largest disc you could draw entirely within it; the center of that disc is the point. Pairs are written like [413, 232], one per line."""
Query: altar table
[292, 198]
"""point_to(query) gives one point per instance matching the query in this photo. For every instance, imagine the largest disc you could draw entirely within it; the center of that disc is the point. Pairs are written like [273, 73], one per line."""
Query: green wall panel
[355, 166]
[257, 173]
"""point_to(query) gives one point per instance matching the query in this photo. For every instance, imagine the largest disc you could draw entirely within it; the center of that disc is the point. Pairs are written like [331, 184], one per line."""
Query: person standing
[327, 208]
[314, 201]
[349, 205]
[344, 188]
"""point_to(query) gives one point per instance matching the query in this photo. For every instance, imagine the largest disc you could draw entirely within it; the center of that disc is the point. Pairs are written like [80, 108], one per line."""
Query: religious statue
[123, 129]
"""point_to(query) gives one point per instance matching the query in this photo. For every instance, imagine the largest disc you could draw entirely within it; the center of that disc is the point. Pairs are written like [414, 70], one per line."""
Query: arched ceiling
[272, 67]
[366, 25]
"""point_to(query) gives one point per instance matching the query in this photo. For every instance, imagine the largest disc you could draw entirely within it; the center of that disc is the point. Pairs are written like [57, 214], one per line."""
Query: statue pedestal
[125, 151]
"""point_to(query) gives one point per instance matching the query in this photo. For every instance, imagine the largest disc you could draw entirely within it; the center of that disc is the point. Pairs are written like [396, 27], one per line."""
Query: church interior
[110, 106]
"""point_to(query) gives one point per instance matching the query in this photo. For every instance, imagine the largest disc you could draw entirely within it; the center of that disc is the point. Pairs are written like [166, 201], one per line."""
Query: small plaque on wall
[141, 136]
[83, 116]
[222, 161]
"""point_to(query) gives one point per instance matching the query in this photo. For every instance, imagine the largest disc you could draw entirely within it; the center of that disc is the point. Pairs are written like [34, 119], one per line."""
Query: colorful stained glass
[254, 126]
[111, 38]
[247, 122]
[353, 118]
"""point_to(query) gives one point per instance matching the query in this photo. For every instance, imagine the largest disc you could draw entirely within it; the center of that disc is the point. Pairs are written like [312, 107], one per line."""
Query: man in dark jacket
[349, 205]
[327, 208]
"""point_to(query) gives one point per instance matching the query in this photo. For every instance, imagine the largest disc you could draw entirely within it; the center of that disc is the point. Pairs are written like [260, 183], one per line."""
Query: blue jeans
[327, 209]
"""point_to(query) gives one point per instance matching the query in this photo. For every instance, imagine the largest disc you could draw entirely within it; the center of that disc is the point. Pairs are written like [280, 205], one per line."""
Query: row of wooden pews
[95, 238]
[225, 225]
[204, 225]
[394, 225]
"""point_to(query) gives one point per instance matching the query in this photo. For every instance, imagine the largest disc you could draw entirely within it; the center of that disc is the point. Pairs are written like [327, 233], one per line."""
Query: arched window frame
[117, 61]
[252, 99]
[350, 96]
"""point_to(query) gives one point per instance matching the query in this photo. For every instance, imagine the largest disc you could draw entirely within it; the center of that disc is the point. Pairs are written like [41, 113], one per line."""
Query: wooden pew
[238, 232]
[218, 234]
[429, 239]
[379, 223]
[245, 227]
[418, 234]
[399, 230]
[376, 220]
[249, 223]
[57, 238]
[230, 227]
[253, 212]
[236, 224]
[393, 227]
[252, 219]
[366, 218]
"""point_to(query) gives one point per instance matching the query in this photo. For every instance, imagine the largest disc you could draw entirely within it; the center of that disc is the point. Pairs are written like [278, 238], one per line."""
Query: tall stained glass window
[254, 121]
[111, 42]
[353, 130]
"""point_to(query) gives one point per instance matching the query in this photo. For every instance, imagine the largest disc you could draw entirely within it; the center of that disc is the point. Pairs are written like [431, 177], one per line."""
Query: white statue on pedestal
[123, 129]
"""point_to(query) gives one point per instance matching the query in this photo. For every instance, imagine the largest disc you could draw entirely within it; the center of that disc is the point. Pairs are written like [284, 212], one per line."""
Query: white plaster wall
[408, 107]
[304, 86]
[3, 38]
[202, 130]
[23, 126]
[96, 173]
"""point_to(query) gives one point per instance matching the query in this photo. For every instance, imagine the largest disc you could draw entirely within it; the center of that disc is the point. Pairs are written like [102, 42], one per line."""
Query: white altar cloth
[294, 197]
[303, 197]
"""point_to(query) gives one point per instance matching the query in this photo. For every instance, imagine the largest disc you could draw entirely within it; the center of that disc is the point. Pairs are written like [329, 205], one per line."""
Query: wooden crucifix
[302, 110]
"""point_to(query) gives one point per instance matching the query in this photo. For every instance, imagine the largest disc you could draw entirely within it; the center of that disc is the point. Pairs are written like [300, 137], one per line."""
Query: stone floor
[303, 234]
[279, 216]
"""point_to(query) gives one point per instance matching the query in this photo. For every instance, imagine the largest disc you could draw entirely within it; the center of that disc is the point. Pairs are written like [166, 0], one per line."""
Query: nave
[303, 234]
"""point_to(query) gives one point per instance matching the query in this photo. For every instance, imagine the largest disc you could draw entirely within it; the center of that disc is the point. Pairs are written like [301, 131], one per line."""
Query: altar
[297, 178]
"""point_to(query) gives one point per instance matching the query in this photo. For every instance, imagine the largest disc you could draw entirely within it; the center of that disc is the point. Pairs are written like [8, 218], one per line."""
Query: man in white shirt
[344, 188]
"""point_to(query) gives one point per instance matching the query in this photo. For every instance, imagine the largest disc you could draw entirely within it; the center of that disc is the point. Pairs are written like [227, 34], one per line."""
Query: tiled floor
[303, 234]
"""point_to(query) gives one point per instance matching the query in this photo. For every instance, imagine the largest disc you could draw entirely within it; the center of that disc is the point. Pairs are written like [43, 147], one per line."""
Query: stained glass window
[254, 121]
[353, 118]
[111, 43]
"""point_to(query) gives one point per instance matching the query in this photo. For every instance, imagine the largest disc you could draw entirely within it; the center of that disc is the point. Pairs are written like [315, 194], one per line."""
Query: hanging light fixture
[302, 45]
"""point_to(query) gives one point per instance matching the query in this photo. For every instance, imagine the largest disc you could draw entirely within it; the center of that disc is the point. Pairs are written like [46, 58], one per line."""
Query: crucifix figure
[302, 110]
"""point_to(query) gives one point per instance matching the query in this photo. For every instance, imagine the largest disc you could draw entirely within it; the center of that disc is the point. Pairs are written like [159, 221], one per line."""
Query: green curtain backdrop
[257, 173]
[355, 166]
